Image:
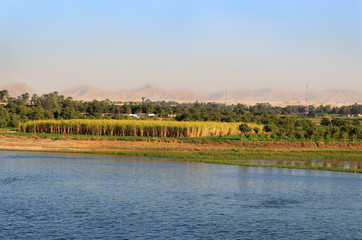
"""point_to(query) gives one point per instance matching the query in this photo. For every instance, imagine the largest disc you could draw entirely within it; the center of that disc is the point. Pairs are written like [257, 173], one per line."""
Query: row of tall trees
[186, 111]
[289, 128]
[279, 122]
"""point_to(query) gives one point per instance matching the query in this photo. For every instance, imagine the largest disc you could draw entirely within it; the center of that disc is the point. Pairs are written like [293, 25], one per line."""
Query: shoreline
[232, 153]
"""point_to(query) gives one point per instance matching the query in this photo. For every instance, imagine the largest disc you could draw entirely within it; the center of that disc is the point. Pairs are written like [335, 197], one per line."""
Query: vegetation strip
[244, 155]
[213, 146]
[230, 139]
[259, 122]
[225, 158]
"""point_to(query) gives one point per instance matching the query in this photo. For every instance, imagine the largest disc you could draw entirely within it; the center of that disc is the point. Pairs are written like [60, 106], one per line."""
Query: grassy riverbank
[209, 138]
[227, 159]
[299, 155]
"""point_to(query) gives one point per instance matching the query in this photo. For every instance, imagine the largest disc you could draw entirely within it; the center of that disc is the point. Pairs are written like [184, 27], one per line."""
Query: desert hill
[16, 89]
[147, 92]
[272, 95]
[332, 96]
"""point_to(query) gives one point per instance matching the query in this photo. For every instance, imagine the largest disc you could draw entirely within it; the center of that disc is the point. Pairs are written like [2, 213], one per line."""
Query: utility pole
[307, 99]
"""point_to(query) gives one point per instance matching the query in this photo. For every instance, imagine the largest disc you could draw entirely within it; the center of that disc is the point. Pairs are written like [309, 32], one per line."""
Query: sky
[199, 45]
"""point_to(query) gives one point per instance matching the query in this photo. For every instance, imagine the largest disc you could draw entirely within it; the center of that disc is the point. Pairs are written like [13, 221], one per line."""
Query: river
[75, 196]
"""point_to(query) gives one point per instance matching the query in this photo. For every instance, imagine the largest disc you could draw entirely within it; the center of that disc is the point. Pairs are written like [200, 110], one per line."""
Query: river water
[73, 196]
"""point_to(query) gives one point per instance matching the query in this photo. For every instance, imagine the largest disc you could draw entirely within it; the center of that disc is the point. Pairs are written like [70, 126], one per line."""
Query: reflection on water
[74, 196]
[313, 163]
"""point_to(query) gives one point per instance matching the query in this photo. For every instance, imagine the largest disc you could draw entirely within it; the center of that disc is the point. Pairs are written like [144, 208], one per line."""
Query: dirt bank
[12, 142]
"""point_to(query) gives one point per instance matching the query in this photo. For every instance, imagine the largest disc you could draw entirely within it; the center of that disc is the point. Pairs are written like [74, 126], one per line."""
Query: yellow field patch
[142, 128]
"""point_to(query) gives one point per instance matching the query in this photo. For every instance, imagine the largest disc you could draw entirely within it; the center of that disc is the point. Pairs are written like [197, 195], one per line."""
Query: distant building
[133, 115]
[355, 115]
[144, 115]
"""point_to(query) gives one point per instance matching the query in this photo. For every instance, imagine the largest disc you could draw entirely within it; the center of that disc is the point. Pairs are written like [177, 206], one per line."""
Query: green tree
[310, 132]
[270, 128]
[4, 117]
[334, 131]
[326, 122]
[356, 109]
[338, 122]
[36, 114]
[281, 133]
[244, 129]
[15, 119]
[4, 94]
[35, 100]
[356, 122]
[25, 98]
[69, 113]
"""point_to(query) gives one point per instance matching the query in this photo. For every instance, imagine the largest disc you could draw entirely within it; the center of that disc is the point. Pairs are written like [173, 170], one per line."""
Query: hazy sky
[180, 44]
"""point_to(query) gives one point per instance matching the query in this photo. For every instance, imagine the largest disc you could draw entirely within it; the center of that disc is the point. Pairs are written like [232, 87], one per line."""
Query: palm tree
[4, 94]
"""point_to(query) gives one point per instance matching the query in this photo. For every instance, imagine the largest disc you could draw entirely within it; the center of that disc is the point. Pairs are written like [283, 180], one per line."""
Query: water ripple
[48, 196]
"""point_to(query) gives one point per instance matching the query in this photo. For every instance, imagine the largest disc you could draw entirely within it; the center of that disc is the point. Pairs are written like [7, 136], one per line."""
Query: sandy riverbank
[328, 155]
[11, 142]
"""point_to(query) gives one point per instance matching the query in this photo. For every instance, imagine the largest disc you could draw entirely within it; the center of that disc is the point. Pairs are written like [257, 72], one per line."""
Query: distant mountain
[154, 93]
[272, 95]
[147, 92]
[331, 96]
[263, 95]
[336, 96]
[16, 89]
[89, 93]
[256, 95]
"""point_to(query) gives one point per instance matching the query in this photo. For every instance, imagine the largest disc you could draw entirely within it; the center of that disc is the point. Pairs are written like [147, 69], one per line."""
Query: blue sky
[196, 45]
